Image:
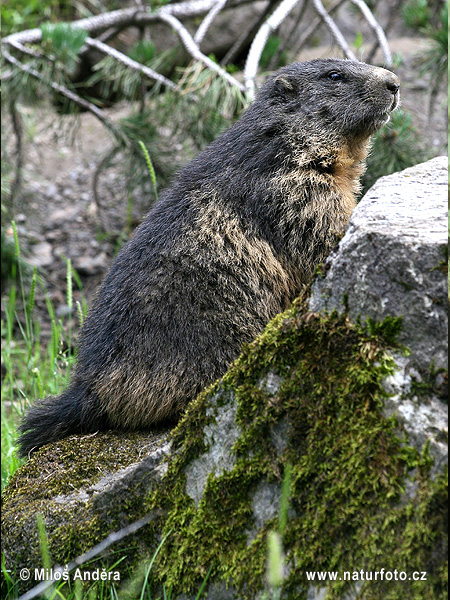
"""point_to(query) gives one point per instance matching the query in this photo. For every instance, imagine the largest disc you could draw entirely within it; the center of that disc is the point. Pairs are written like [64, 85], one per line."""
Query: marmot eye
[335, 76]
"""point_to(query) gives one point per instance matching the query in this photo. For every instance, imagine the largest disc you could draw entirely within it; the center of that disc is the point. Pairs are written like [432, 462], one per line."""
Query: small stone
[42, 255]
[64, 310]
[88, 265]
[51, 191]
[62, 215]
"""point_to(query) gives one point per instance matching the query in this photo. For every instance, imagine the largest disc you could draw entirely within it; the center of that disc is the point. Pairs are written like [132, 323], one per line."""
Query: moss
[68, 471]
[348, 476]
[350, 469]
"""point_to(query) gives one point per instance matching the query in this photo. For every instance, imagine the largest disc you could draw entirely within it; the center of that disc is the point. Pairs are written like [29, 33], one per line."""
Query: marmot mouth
[379, 119]
[395, 103]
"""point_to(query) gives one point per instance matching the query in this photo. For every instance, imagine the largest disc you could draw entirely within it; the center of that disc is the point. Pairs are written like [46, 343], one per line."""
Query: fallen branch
[394, 11]
[245, 39]
[315, 25]
[377, 29]
[335, 32]
[18, 132]
[275, 60]
[129, 62]
[122, 18]
[28, 51]
[194, 50]
[204, 25]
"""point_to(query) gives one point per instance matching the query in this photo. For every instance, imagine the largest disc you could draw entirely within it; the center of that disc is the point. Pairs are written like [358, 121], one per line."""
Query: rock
[58, 217]
[316, 436]
[41, 255]
[51, 191]
[80, 493]
[396, 243]
[88, 265]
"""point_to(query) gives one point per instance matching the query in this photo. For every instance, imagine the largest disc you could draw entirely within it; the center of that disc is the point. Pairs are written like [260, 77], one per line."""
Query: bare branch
[274, 61]
[132, 64]
[68, 94]
[204, 25]
[315, 25]
[377, 29]
[25, 50]
[7, 75]
[254, 55]
[121, 18]
[245, 39]
[116, 20]
[106, 160]
[386, 28]
[18, 132]
[194, 50]
[338, 37]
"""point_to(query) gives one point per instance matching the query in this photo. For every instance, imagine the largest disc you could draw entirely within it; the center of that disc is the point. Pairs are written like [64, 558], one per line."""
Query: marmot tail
[51, 419]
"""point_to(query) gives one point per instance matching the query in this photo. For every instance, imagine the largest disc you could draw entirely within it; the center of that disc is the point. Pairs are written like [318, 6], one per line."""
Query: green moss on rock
[308, 392]
[60, 483]
[348, 509]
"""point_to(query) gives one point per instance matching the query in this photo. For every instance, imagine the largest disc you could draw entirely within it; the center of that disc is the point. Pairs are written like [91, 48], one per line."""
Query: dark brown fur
[227, 248]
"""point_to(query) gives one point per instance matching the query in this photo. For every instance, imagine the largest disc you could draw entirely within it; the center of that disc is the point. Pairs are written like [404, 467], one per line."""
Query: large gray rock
[316, 391]
[391, 258]
[391, 263]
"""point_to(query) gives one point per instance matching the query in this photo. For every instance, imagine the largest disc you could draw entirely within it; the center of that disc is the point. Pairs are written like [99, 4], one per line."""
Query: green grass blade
[150, 167]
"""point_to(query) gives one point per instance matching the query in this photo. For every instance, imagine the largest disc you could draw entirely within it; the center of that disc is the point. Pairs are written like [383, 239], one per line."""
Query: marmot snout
[227, 247]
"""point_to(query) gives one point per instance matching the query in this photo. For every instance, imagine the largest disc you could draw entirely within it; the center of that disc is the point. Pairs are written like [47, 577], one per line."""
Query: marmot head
[335, 97]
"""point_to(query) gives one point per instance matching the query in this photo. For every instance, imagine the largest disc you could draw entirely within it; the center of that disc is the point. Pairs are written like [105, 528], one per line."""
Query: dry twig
[382, 41]
[254, 55]
[129, 62]
[335, 32]
[204, 25]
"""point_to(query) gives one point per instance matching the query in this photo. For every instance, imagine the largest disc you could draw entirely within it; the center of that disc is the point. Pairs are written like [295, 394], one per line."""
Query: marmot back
[226, 248]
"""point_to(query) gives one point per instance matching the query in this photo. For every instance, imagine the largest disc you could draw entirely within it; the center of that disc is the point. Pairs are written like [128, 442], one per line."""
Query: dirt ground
[56, 214]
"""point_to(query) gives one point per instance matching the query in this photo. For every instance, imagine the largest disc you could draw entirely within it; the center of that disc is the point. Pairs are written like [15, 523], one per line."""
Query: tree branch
[111, 539]
[204, 25]
[377, 29]
[122, 18]
[132, 64]
[315, 25]
[274, 61]
[254, 55]
[18, 132]
[338, 37]
[68, 94]
[386, 28]
[194, 50]
[246, 37]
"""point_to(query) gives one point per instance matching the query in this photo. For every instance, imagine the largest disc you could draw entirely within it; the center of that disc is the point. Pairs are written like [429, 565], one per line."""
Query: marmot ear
[283, 86]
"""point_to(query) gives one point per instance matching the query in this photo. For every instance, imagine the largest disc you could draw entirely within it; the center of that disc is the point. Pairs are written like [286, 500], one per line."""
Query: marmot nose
[392, 86]
[391, 81]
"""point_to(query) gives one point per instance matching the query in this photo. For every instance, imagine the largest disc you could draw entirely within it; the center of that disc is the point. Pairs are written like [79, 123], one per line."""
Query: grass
[33, 367]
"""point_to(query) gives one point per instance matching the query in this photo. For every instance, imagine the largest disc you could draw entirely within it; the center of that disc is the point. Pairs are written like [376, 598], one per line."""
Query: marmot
[226, 248]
